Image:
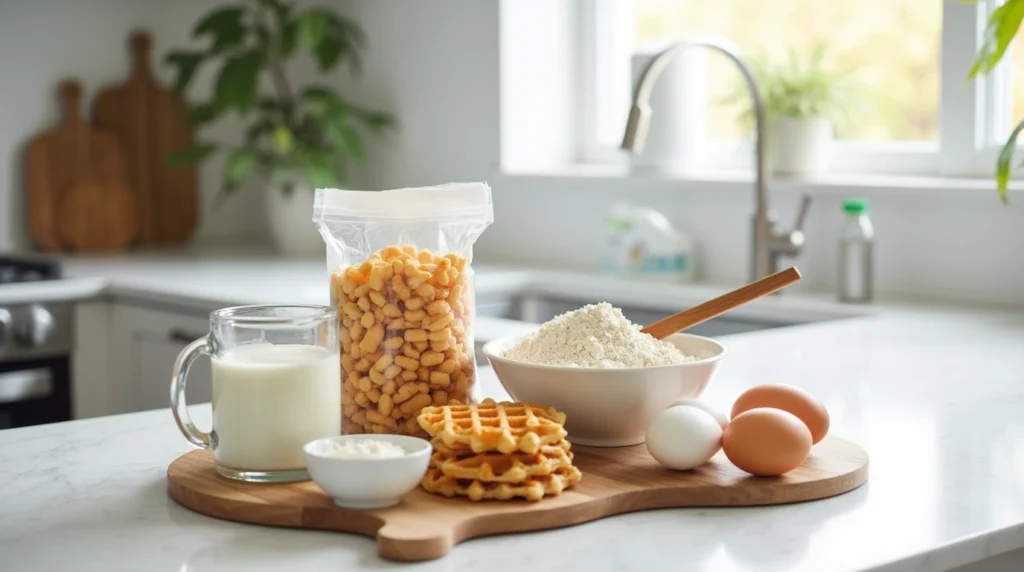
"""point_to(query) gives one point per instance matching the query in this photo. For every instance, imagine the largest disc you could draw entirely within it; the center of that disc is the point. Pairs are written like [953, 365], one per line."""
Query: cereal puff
[406, 338]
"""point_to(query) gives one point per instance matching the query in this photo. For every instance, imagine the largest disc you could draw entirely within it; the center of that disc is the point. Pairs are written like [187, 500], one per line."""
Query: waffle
[533, 489]
[504, 467]
[461, 451]
[506, 427]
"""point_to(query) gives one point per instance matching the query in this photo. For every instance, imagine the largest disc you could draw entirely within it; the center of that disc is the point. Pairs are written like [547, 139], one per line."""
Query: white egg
[684, 438]
[718, 415]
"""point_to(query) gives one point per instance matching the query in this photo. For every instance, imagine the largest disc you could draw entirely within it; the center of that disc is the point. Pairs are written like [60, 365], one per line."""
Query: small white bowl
[608, 407]
[368, 483]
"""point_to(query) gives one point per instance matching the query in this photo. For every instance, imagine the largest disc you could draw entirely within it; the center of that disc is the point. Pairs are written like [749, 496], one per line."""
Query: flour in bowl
[596, 335]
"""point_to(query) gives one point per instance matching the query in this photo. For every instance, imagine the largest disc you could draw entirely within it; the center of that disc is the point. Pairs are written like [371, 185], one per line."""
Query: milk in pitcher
[271, 399]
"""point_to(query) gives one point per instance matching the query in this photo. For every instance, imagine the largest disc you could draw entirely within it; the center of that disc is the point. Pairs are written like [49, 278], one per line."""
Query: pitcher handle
[178, 379]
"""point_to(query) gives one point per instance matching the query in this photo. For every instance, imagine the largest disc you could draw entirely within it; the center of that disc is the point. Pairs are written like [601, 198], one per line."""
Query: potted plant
[803, 103]
[298, 138]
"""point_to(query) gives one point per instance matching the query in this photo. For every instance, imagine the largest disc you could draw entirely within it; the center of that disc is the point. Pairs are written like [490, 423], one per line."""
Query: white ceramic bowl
[608, 407]
[368, 483]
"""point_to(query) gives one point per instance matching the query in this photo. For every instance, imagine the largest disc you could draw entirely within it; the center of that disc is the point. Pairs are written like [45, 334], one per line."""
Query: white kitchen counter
[934, 394]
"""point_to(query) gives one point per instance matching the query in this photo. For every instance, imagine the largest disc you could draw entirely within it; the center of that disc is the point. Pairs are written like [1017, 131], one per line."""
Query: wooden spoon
[722, 304]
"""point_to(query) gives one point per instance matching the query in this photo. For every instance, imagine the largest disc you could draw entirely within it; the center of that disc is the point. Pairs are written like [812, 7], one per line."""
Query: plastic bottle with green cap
[856, 252]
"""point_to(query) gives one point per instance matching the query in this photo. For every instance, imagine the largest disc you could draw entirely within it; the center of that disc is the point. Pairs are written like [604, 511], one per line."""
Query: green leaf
[800, 88]
[289, 33]
[269, 105]
[1002, 26]
[353, 143]
[321, 177]
[186, 63]
[257, 130]
[313, 27]
[377, 122]
[284, 141]
[191, 155]
[1003, 163]
[225, 26]
[240, 165]
[321, 101]
[238, 81]
[202, 113]
[329, 39]
[328, 52]
[352, 40]
[287, 187]
[344, 138]
[319, 169]
[335, 134]
[284, 177]
[263, 41]
[352, 31]
[352, 36]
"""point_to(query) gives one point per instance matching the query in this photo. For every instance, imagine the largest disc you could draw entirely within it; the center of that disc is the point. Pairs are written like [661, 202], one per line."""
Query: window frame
[972, 115]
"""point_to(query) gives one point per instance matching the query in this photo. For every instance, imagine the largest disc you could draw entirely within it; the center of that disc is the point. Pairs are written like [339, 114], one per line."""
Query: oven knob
[5, 325]
[35, 328]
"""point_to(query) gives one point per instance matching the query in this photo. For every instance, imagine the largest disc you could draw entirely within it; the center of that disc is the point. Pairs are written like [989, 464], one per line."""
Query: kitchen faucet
[769, 241]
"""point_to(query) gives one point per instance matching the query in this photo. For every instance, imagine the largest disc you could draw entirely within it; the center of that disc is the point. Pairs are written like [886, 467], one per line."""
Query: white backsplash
[957, 244]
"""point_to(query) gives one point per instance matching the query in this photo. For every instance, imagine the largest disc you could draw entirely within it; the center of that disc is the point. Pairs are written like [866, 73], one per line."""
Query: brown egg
[787, 398]
[766, 442]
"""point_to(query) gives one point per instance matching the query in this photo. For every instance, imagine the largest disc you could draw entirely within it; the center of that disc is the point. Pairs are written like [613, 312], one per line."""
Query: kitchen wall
[44, 41]
[436, 65]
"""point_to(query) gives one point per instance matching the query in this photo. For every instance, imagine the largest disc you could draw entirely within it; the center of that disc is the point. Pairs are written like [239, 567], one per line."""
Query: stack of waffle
[498, 451]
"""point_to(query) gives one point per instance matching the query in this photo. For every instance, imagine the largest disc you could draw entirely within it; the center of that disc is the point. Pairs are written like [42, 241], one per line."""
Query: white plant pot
[799, 147]
[290, 218]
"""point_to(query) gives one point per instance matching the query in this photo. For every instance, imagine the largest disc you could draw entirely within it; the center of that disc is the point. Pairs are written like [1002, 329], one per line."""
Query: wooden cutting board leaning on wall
[77, 196]
[151, 123]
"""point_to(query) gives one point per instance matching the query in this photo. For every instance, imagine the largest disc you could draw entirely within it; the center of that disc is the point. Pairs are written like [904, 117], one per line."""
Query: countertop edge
[966, 551]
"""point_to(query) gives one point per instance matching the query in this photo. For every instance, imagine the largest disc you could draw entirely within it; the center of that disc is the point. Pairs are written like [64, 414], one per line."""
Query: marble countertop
[933, 393]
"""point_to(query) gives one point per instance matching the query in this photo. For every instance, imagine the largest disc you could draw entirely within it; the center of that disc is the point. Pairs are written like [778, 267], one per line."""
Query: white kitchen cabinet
[91, 378]
[144, 344]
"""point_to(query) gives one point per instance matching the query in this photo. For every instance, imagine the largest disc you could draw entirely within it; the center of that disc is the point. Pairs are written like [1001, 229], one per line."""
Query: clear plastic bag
[400, 274]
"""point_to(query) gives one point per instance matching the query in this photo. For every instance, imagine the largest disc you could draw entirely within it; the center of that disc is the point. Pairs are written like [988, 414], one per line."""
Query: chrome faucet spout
[768, 242]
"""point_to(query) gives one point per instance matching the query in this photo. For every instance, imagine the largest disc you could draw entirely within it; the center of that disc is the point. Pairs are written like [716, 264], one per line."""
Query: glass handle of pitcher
[178, 380]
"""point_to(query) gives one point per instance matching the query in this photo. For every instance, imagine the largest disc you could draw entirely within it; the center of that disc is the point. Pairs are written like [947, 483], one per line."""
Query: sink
[537, 297]
[537, 309]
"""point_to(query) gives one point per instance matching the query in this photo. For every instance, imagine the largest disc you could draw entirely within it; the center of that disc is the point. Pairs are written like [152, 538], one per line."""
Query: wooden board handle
[722, 304]
[140, 43]
[70, 94]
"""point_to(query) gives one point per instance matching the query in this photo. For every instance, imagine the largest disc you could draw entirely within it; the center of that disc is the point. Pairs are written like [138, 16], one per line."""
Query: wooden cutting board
[426, 526]
[96, 217]
[73, 155]
[151, 123]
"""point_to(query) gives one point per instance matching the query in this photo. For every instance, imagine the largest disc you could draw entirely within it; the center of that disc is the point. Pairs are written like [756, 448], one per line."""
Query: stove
[35, 347]
[28, 269]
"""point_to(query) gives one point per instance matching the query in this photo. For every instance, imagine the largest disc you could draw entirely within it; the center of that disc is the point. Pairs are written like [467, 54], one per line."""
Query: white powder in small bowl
[363, 449]
[596, 335]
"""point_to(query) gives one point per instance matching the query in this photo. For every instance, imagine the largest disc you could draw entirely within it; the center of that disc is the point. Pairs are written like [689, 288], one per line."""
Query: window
[1016, 88]
[919, 114]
